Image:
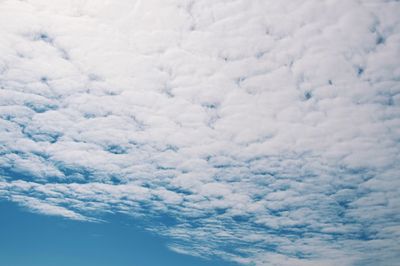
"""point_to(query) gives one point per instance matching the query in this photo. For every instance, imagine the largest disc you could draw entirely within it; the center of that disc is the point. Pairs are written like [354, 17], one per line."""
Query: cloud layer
[263, 132]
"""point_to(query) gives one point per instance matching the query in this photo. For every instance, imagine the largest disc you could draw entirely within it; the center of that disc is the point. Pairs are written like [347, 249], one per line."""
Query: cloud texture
[264, 132]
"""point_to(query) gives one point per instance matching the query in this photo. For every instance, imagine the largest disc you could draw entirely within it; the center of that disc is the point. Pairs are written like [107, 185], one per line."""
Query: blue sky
[29, 239]
[159, 132]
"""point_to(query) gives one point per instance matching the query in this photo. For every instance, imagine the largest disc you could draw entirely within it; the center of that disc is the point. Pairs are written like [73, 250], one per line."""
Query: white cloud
[268, 130]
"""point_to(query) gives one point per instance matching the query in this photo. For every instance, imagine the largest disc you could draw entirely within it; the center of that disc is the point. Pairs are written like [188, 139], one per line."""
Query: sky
[38, 240]
[209, 132]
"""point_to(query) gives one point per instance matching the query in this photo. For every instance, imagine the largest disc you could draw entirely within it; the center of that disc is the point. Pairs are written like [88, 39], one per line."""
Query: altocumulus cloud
[263, 132]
